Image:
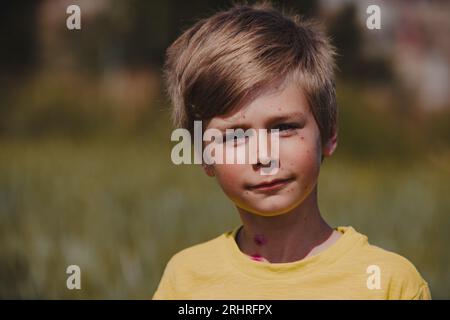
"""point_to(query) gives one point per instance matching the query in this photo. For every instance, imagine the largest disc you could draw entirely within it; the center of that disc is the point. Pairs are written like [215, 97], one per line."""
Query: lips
[271, 184]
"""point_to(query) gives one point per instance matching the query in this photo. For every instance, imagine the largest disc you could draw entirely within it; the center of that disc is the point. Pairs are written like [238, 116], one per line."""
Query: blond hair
[223, 61]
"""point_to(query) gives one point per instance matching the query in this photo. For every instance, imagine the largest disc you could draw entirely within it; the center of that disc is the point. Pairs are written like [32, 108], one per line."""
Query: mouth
[271, 185]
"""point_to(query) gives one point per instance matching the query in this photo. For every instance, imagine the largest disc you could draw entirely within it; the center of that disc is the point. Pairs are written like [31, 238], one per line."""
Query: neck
[287, 237]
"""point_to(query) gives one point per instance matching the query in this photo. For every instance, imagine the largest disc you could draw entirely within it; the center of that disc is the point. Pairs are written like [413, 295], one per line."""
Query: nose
[264, 159]
[265, 162]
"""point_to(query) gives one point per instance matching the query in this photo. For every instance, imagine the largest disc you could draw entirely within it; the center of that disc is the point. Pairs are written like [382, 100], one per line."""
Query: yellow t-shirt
[350, 268]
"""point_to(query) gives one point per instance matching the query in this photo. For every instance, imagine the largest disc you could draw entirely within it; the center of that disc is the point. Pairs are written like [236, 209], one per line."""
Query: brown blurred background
[85, 170]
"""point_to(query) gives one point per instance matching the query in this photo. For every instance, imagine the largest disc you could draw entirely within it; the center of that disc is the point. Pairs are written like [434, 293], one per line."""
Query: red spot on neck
[260, 239]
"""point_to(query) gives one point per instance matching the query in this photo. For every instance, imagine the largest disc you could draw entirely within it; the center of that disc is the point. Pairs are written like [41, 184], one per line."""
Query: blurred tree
[348, 37]
[17, 50]
[18, 35]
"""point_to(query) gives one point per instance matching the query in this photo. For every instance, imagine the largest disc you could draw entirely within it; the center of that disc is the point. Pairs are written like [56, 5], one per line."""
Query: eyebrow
[269, 122]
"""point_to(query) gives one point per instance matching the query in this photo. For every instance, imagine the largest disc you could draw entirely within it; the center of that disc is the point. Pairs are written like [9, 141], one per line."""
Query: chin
[270, 207]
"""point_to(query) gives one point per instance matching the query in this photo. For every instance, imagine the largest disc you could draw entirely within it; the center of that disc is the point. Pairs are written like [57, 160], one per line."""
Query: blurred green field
[119, 209]
[85, 170]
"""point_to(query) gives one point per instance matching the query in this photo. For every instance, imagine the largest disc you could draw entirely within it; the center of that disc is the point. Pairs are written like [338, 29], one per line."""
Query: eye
[287, 127]
[236, 138]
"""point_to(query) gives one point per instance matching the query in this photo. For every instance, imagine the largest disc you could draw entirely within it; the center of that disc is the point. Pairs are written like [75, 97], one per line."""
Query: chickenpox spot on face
[260, 240]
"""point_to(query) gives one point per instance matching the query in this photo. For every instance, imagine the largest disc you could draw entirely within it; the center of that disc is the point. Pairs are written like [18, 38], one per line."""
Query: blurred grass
[82, 187]
[119, 209]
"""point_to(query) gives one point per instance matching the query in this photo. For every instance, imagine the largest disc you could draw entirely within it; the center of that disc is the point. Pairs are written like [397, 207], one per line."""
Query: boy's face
[300, 153]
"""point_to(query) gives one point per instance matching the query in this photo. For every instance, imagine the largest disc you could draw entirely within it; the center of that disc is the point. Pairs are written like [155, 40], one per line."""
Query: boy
[255, 67]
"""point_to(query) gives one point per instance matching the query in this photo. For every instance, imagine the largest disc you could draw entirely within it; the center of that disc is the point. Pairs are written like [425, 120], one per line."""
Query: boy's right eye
[236, 137]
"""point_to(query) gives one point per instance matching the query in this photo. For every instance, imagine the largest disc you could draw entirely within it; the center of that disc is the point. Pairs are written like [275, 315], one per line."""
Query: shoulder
[394, 263]
[398, 274]
[199, 256]
[398, 277]
[188, 268]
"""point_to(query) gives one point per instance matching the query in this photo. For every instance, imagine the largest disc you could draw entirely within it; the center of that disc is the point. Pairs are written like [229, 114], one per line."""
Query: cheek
[300, 154]
[229, 176]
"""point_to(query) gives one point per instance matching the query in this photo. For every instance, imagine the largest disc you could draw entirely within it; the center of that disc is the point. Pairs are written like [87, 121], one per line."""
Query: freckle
[260, 239]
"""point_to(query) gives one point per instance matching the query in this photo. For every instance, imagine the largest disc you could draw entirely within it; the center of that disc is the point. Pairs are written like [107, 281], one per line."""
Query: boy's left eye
[286, 126]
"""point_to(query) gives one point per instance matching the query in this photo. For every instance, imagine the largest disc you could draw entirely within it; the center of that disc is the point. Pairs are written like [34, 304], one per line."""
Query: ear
[209, 169]
[330, 146]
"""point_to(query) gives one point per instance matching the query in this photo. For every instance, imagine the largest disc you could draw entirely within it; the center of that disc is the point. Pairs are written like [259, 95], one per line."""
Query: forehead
[272, 104]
